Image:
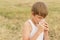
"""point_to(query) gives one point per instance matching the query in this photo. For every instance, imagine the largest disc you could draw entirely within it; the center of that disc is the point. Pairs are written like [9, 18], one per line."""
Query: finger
[46, 29]
[44, 22]
[45, 25]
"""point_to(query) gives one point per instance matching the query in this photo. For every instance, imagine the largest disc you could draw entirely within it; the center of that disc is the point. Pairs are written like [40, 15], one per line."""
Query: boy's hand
[40, 28]
[44, 24]
[46, 27]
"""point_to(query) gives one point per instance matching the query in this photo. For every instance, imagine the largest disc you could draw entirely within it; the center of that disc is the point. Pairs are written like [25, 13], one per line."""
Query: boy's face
[37, 18]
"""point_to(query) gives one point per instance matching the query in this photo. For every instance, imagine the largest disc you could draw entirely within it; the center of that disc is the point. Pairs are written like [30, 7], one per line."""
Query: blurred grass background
[13, 14]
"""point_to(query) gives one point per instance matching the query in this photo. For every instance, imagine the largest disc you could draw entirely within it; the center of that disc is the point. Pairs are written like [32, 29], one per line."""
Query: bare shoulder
[27, 26]
[26, 31]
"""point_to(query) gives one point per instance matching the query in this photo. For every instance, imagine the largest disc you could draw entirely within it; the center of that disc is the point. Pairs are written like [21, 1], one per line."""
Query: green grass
[13, 14]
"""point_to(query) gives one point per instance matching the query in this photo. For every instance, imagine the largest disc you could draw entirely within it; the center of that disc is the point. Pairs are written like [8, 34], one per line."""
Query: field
[13, 14]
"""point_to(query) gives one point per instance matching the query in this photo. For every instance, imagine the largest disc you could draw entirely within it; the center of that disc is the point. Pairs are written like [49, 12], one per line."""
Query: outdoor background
[13, 14]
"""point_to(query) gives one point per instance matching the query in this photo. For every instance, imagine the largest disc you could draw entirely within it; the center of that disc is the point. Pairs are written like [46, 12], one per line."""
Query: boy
[32, 30]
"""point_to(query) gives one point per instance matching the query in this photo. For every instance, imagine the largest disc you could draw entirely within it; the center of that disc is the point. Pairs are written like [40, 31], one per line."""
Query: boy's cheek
[38, 20]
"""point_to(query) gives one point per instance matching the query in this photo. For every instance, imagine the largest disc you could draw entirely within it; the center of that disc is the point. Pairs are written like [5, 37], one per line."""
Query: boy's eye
[40, 17]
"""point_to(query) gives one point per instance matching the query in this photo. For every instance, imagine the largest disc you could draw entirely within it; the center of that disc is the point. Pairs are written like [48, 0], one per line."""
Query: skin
[27, 28]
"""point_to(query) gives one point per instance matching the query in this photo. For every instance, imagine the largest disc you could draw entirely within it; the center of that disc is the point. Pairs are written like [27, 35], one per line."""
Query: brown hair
[40, 8]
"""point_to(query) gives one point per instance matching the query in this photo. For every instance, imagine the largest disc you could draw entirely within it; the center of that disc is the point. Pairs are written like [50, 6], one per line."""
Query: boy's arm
[26, 32]
[46, 37]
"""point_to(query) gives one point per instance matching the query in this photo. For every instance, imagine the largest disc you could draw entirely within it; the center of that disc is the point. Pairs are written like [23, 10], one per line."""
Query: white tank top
[34, 30]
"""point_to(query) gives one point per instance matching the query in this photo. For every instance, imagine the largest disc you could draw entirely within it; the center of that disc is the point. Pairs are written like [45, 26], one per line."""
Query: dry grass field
[13, 14]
